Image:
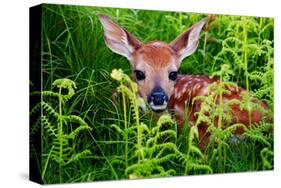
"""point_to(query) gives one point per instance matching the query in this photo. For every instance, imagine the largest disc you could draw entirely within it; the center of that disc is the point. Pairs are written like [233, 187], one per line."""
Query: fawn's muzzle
[158, 100]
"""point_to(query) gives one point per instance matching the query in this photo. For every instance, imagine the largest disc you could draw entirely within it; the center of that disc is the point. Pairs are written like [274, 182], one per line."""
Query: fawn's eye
[173, 75]
[139, 75]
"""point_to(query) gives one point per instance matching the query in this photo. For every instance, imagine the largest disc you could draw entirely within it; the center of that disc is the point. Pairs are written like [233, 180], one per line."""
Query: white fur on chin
[159, 107]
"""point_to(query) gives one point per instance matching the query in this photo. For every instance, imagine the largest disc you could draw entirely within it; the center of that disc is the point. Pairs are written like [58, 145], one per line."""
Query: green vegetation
[87, 136]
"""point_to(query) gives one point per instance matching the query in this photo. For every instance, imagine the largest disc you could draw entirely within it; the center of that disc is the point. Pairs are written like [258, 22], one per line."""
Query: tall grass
[127, 143]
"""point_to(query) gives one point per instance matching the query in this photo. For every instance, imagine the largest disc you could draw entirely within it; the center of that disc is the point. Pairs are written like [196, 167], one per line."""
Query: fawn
[155, 69]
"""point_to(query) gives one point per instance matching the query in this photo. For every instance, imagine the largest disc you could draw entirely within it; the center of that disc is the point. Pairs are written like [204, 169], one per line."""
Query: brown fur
[156, 60]
[189, 86]
[156, 54]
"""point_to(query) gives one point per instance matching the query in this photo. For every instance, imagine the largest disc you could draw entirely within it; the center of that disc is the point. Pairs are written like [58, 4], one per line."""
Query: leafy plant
[158, 147]
[55, 123]
[217, 114]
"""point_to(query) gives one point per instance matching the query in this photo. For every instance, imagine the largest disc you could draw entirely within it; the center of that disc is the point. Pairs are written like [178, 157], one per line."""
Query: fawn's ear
[187, 42]
[118, 39]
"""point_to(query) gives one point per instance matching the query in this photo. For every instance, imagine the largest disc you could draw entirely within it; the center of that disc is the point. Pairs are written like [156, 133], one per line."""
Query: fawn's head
[154, 64]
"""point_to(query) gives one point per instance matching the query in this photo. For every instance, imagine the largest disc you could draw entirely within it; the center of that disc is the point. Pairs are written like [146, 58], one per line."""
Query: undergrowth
[155, 147]
[59, 130]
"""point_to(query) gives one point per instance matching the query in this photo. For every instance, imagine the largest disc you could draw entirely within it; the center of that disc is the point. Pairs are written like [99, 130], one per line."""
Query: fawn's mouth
[158, 108]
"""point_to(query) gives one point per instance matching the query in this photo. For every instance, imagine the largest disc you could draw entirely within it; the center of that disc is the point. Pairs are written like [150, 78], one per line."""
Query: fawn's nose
[158, 99]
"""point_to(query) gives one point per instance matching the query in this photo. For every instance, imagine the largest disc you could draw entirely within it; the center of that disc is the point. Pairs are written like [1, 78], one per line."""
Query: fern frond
[117, 128]
[48, 126]
[49, 94]
[78, 156]
[257, 136]
[66, 84]
[45, 93]
[35, 126]
[49, 109]
[196, 150]
[163, 159]
[36, 108]
[78, 130]
[234, 127]
[267, 158]
[200, 167]
[74, 118]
